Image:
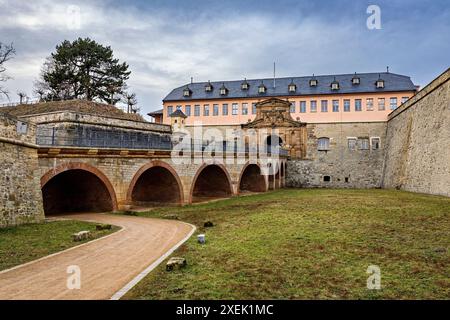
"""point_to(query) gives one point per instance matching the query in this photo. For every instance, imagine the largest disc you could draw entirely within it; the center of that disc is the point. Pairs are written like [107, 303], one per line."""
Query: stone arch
[210, 181]
[156, 182]
[251, 179]
[77, 187]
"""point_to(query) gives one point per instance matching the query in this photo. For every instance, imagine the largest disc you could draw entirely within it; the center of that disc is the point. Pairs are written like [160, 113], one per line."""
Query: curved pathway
[107, 264]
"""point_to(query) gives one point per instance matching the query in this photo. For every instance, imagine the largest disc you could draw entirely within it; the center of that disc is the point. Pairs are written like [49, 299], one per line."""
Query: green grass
[29, 242]
[310, 244]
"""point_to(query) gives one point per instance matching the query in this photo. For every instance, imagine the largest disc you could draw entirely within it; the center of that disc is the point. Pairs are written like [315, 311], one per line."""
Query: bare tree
[40, 93]
[6, 53]
[22, 97]
[131, 101]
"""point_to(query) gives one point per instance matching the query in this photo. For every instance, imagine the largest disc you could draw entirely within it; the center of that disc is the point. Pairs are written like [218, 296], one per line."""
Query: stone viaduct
[74, 179]
[90, 160]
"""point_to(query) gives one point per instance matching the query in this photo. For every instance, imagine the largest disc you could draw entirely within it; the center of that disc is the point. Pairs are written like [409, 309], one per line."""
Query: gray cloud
[166, 46]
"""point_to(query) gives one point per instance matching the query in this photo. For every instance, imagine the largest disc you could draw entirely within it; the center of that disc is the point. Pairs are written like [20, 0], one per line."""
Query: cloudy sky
[166, 42]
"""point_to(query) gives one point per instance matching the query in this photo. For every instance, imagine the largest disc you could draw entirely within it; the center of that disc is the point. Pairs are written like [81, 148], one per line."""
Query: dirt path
[106, 265]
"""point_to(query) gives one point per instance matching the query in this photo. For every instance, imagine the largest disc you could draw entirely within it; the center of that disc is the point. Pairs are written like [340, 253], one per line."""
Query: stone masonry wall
[345, 168]
[418, 134]
[53, 118]
[20, 195]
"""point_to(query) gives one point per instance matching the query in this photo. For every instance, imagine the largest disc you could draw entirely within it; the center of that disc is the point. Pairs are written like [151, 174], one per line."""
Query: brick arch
[243, 171]
[85, 167]
[152, 164]
[199, 171]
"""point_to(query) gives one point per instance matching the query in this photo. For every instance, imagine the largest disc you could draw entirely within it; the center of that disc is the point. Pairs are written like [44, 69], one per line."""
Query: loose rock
[176, 262]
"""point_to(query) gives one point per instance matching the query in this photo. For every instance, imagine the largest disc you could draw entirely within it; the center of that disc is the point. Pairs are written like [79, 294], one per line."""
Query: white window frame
[356, 143]
[234, 109]
[371, 143]
[302, 106]
[349, 105]
[320, 146]
[384, 104]
[369, 104]
[245, 108]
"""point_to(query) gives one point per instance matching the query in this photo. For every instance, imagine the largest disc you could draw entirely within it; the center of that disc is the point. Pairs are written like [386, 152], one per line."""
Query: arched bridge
[99, 180]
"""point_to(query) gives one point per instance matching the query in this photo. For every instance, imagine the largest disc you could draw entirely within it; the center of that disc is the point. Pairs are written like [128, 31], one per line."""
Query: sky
[166, 42]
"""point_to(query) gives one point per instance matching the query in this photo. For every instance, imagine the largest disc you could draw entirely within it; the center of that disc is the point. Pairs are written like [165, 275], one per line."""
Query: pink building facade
[319, 99]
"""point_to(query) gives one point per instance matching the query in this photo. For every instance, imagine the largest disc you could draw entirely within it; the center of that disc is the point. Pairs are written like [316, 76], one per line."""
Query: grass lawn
[32, 241]
[310, 244]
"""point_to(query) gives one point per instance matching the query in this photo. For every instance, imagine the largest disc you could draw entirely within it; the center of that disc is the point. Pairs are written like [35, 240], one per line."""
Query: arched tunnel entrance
[211, 183]
[273, 141]
[76, 190]
[252, 180]
[156, 185]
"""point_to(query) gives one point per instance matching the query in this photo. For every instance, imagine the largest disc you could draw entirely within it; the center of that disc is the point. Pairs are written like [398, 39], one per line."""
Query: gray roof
[393, 82]
[178, 113]
[157, 112]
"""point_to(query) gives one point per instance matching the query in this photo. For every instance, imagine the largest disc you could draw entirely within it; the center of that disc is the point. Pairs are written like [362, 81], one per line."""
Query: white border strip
[119, 294]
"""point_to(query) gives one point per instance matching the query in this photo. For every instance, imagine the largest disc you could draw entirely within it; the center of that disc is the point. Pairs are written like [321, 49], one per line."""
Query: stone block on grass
[82, 235]
[175, 262]
[100, 227]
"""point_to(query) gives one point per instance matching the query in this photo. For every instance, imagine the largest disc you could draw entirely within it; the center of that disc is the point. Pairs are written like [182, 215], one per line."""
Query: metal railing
[95, 138]
[86, 137]
[229, 146]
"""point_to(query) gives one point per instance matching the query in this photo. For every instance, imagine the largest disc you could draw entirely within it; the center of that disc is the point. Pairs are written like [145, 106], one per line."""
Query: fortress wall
[418, 135]
[345, 167]
[20, 192]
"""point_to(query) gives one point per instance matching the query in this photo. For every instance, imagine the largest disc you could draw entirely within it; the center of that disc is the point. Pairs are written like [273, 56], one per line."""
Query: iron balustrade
[85, 137]
[95, 138]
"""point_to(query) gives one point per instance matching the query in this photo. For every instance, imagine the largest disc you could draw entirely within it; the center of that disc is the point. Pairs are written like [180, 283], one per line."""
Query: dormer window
[223, 90]
[187, 92]
[245, 85]
[313, 82]
[356, 80]
[208, 87]
[335, 85]
[262, 88]
[380, 83]
[292, 87]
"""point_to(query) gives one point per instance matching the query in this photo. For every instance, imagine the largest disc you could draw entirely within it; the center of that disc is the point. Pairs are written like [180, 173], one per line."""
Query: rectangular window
[369, 104]
[393, 103]
[324, 106]
[245, 108]
[234, 109]
[302, 106]
[188, 110]
[404, 99]
[335, 105]
[375, 142]
[206, 109]
[292, 108]
[169, 110]
[225, 109]
[381, 104]
[215, 109]
[197, 110]
[351, 143]
[253, 108]
[358, 105]
[21, 127]
[313, 106]
[323, 144]
[363, 143]
[346, 105]
[178, 107]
